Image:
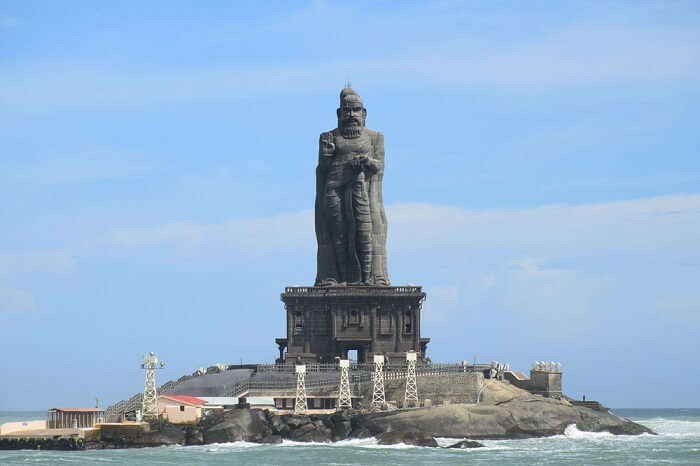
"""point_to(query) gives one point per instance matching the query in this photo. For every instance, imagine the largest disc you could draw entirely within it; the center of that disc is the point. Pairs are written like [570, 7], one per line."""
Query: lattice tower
[344, 395]
[149, 406]
[411, 394]
[378, 398]
[300, 403]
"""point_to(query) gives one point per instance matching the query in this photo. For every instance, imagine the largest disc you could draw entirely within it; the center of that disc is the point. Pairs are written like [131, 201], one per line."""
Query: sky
[157, 166]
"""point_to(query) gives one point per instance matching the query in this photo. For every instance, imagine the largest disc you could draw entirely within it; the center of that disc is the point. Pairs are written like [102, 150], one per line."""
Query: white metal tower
[411, 385]
[149, 408]
[300, 403]
[378, 398]
[344, 396]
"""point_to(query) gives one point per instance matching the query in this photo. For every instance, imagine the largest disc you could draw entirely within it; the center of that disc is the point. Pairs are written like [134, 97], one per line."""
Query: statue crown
[348, 94]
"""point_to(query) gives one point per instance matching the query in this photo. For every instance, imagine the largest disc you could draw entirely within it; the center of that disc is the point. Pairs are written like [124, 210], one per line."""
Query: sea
[678, 442]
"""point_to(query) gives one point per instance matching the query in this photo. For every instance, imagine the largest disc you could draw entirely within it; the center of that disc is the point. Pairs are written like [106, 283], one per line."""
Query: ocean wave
[673, 427]
[369, 442]
[224, 447]
[573, 432]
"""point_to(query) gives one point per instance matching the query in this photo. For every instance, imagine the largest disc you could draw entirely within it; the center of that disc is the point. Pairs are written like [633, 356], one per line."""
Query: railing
[351, 290]
[367, 367]
[319, 376]
[281, 379]
[115, 412]
[240, 388]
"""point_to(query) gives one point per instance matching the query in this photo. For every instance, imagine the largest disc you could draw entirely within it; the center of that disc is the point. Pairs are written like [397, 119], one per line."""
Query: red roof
[186, 399]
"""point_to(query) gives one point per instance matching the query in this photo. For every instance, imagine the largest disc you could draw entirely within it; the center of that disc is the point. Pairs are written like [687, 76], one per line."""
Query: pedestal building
[325, 322]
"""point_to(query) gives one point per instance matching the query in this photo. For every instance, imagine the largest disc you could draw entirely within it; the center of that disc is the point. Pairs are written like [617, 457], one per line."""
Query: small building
[180, 409]
[545, 380]
[74, 418]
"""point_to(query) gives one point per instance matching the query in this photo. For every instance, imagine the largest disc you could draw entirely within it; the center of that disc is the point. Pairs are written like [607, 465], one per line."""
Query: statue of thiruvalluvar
[350, 218]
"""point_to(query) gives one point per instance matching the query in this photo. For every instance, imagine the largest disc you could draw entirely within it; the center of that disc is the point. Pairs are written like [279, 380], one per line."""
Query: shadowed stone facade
[323, 323]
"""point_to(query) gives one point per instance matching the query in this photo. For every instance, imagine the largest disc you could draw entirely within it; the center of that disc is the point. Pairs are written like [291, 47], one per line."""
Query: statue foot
[328, 282]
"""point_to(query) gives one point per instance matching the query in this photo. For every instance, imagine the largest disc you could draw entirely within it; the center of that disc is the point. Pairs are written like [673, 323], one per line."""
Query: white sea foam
[573, 432]
[369, 442]
[673, 427]
[226, 447]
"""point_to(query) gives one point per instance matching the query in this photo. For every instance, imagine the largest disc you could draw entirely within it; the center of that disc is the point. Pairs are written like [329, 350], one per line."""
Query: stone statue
[350, 218]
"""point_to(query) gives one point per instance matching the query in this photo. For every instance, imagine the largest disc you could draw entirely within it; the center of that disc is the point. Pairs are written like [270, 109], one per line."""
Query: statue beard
[351, 131]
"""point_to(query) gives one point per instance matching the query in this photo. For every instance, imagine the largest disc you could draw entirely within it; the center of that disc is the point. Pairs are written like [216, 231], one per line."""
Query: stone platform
[327, 322]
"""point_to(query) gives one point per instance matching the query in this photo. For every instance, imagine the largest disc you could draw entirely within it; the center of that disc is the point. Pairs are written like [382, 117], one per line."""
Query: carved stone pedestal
[328, 322]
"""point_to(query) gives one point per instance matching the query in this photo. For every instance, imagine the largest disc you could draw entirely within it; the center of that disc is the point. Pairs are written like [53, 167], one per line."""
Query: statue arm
[375, 163]
[326, 151]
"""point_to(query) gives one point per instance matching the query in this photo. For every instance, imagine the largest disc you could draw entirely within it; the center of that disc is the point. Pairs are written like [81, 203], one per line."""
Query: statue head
[351, 113]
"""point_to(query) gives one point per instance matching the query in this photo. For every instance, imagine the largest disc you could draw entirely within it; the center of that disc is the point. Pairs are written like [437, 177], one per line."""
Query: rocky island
[315, 392]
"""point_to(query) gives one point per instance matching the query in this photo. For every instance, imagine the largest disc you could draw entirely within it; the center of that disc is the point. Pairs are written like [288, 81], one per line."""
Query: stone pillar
[334, 315]
[414, 326]
[417, 313]
[373, 326]
[397, 329]
[307, 330]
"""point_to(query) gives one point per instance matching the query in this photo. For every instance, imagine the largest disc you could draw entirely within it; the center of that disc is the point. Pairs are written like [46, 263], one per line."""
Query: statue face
[351, 113]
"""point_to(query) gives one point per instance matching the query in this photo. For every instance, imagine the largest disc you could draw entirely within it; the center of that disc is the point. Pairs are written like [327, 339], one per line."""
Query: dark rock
[630, 428]
[341, 416]
[342, 430]
[295, 420]
[194, 435]
[249, 425]
[278, 424]
[312, 432]
[419, 439]
[272, 438]
[360, 432]
[163, 434]
[466, 444]
[522, 417]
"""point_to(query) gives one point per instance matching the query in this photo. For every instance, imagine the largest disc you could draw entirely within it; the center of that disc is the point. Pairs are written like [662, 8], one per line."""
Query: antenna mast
[411, 385]
[378, 398]
[344, 396]
[300, 402]
[149, 409]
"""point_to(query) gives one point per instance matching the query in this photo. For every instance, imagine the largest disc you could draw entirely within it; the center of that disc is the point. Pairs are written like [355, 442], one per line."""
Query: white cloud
[13, 300]
[579, 56]
[558, 296]
[249, 236]
[70, 168]
[562, 263]
[9, 21]
[58, 262]
[654, 225]
[639, 226]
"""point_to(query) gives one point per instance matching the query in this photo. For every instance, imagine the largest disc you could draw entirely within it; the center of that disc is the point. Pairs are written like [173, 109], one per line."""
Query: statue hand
[360, 161]
[327, 145]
